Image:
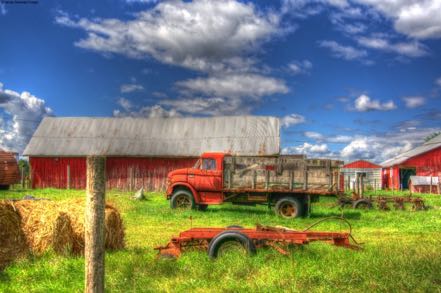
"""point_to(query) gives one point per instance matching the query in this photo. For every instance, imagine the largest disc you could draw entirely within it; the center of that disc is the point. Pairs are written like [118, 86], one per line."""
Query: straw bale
[12, 238]
[45, 226]
[114, 229]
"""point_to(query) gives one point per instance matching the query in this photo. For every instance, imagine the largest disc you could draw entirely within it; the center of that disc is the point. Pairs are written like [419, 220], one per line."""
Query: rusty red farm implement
[214, 240]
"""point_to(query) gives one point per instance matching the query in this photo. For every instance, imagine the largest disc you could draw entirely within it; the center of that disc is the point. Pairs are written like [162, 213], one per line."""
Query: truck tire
[289, 207]
[362, 204]
[230, 236]
[182, 199]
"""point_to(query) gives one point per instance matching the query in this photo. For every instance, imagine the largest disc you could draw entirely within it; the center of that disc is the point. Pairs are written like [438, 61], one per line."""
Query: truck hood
[183, 171]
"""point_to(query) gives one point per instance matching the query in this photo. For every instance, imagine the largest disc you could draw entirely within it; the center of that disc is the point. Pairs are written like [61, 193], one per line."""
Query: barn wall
[52, 172]
[122, 173]
[391, 178]
[427, 164]
[150, 173]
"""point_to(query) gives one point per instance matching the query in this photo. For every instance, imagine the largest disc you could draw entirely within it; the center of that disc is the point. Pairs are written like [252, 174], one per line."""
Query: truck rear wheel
[289, 207]
[182, 199]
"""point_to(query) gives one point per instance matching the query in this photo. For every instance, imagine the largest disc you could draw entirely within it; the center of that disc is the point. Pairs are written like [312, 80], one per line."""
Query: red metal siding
[52, 172]
[122, 173]
[361, 164]
[150, 173]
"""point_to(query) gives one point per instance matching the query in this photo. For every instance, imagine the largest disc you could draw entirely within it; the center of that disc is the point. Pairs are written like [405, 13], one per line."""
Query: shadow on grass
[346, 215]
[250, 210]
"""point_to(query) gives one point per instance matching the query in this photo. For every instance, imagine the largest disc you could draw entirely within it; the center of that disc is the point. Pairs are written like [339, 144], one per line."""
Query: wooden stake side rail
[261, 236]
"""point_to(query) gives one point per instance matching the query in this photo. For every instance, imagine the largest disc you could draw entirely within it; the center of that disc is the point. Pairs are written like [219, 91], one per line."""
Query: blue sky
[348, 79]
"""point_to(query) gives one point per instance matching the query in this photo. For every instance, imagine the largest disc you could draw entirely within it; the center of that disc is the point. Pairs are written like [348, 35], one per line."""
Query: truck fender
[196, 196]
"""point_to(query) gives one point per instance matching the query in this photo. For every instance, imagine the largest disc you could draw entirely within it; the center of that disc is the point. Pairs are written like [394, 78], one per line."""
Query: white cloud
[299, 67]
[201, 35]
[291, 120]
[313, 135]
[438, 81]
[234, 85]
[410, 49]
[374, 148]
[311, 150]
[344, 52]
[414, 18]
[414, 102]
[364, 103]
[155, 111]
[22, 114]
[128, 88]
[125, 104]
[208, 106]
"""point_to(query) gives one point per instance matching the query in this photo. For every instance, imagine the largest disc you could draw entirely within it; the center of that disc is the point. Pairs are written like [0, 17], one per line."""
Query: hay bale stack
[45, 226]
[12, 238]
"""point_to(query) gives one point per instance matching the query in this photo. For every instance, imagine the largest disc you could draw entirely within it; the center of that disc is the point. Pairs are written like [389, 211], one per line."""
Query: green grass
[402, 252]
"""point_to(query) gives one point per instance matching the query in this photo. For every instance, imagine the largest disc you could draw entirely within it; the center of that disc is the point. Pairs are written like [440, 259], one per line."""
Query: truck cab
[204, 181]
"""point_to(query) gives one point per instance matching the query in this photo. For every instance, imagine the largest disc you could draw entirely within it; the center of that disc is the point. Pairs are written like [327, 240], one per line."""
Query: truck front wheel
[182, 199]
[289, 207]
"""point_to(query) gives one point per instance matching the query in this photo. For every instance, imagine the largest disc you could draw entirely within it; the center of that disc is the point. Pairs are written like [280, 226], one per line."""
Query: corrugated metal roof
[423, 180]
[80, 136]
[428, 146]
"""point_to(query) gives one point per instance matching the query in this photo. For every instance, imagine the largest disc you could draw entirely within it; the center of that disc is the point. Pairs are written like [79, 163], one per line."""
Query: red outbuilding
[370, 172]
[424, 160]
[140, 152]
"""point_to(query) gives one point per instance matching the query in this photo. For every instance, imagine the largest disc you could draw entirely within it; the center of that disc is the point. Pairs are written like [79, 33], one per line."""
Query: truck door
[207, 180]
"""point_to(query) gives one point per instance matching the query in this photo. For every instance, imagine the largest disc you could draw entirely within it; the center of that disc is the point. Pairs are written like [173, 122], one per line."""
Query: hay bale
[114, 228]
[45, 226]
[12, 238]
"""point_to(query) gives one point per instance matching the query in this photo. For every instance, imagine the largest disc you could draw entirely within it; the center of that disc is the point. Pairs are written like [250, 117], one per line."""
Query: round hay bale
[12, 238]
[45, 226]
[114, 228]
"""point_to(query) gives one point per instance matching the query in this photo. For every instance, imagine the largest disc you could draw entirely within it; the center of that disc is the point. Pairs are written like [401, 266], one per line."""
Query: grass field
[402, 253]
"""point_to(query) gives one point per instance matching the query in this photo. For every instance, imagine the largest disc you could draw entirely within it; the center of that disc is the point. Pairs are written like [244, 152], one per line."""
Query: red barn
[140, 152]
[424, 160]
[371, 175]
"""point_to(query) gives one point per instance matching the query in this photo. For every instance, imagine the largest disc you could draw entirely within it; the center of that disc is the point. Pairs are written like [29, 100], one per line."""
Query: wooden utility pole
[94, 225]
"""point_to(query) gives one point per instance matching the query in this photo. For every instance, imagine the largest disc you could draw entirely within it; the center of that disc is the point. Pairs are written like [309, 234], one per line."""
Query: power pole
[94, 225]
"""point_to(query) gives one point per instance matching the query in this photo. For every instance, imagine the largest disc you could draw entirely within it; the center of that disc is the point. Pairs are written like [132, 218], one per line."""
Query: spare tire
[230, 235]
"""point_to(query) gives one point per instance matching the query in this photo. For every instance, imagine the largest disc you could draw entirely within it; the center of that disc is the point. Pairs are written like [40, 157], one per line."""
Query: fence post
[22, 178]
[68, 177]
[94, 225]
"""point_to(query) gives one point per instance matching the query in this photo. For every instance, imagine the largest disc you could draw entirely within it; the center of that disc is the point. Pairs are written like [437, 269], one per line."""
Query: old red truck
[289, 183]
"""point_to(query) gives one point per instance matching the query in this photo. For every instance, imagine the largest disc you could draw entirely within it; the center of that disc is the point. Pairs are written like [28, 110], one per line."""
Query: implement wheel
[182, 199]
[230, 239]
[289, 208]
[362, 204]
